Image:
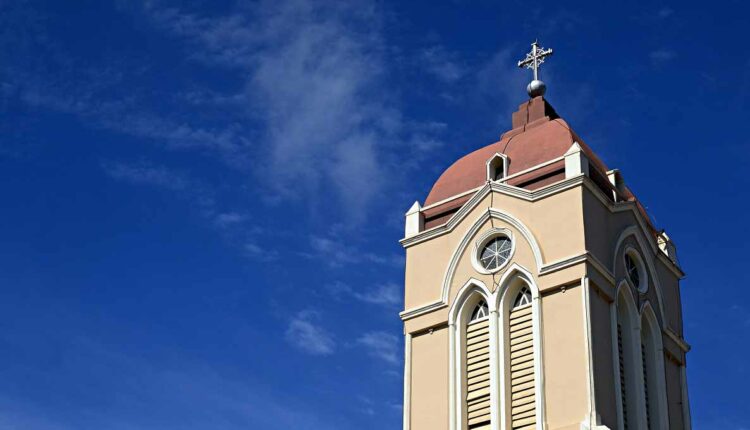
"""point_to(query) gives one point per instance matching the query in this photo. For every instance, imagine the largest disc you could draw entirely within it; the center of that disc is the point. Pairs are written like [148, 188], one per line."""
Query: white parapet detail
[414, 220]
[576, 162]
[667, 246]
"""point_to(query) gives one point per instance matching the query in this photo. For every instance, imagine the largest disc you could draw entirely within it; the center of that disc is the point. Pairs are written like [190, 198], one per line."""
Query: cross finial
[533, 60]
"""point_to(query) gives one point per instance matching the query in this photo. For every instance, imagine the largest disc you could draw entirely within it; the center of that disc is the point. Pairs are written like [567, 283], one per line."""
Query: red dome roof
[538, 136]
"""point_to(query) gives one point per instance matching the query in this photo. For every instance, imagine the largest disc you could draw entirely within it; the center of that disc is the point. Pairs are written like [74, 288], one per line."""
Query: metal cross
[535, 58]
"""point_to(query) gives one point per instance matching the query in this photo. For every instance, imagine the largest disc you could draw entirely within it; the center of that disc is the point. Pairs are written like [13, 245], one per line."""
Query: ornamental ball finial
[536, 88]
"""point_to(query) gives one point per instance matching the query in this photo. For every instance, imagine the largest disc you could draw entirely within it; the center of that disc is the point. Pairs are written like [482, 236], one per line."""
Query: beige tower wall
[429, 380]
[576, 233]
[565, 359]
[601, 340]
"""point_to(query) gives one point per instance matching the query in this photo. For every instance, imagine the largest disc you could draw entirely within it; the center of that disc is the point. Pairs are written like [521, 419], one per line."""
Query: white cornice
[479, 195]
[684, 346]
[532, 195]
[546, 269]
[505, 179]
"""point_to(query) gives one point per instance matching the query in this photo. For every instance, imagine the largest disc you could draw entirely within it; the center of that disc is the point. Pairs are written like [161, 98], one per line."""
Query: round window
[634, 272]
[496, 252]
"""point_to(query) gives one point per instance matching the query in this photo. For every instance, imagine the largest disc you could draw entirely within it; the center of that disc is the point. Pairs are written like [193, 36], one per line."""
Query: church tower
[538, 292]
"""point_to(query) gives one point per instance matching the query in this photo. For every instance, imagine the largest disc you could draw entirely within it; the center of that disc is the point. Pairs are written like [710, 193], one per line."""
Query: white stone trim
[503, 297]
[634, 350]
[630, 206]
[576, 161]
[684, 346]
[471, 232]
[407, 381]
[480, 194]
[549, 190]
[644, 274]
[473, 190]
[491, 160]
[480, 243]
[592, 420]
[546, 269]
[647, 313]
[686, 419]
[652, 273]
[414, 220]
[456, 380]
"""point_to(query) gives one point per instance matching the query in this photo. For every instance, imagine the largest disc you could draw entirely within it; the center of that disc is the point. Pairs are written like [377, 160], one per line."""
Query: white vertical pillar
[407, 381]
[414, 220]
[576, 162]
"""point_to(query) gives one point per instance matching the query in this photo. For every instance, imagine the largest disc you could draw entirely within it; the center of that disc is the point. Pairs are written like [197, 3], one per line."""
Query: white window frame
[492, 163]
[515, 278]
[467, 298]
[483, 240]
[643, 274]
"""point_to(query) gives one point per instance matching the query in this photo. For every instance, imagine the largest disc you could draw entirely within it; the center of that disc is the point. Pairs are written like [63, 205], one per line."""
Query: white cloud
[144, 173]
[384, 294]
[316, 84]
[442, 64]
[381, 345]
[256, 252]
[228, 219]
[304, 334]
[661, 56]
[337, 253]
[665, 12]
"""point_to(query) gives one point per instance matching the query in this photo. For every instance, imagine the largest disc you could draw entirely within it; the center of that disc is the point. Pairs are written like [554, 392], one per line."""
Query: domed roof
[538, 136]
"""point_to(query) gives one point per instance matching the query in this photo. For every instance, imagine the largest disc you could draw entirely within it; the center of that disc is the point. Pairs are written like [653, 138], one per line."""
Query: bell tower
[538, 292]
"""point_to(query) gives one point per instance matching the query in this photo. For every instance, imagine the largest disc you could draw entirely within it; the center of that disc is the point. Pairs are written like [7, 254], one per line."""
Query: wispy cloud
[317, 69]
[256, 252]
[144, 173]
[665, 12]
[304, 333]
[661, 56]
[442, 64]
[382, 345]
[384, 294]
[337, 253]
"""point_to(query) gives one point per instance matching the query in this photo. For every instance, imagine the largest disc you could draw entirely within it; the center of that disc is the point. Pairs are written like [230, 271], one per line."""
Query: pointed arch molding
[492, 213]
[648, 319]
[643, 244]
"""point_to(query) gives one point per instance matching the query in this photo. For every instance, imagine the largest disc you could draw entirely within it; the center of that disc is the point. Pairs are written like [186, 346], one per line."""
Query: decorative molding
[504, 298]
[653, 274]
[480, 194]
[647, 313]
[421, 310]
[414, 222]
[491, 213]
[555, 266]
[407, 382]
[483, 240]
[456, 358]
[642, 223]
[684, 346]
[490, 162]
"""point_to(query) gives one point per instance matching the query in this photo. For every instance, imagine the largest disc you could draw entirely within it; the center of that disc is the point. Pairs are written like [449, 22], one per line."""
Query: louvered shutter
[478, 374]
[623, 389]
[522, 383]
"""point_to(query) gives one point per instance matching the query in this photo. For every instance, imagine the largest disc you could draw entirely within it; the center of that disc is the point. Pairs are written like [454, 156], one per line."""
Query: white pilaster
[414, 220]
[576, 162]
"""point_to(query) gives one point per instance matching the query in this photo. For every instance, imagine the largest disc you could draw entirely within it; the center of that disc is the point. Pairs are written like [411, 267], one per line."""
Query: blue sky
[201, 200]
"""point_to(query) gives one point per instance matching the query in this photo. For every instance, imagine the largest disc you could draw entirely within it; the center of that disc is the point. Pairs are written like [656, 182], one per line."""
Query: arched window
[478, 368]
[628, 358]
[520, 360]
[653, 391]
[496, 167]
[480, 311]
